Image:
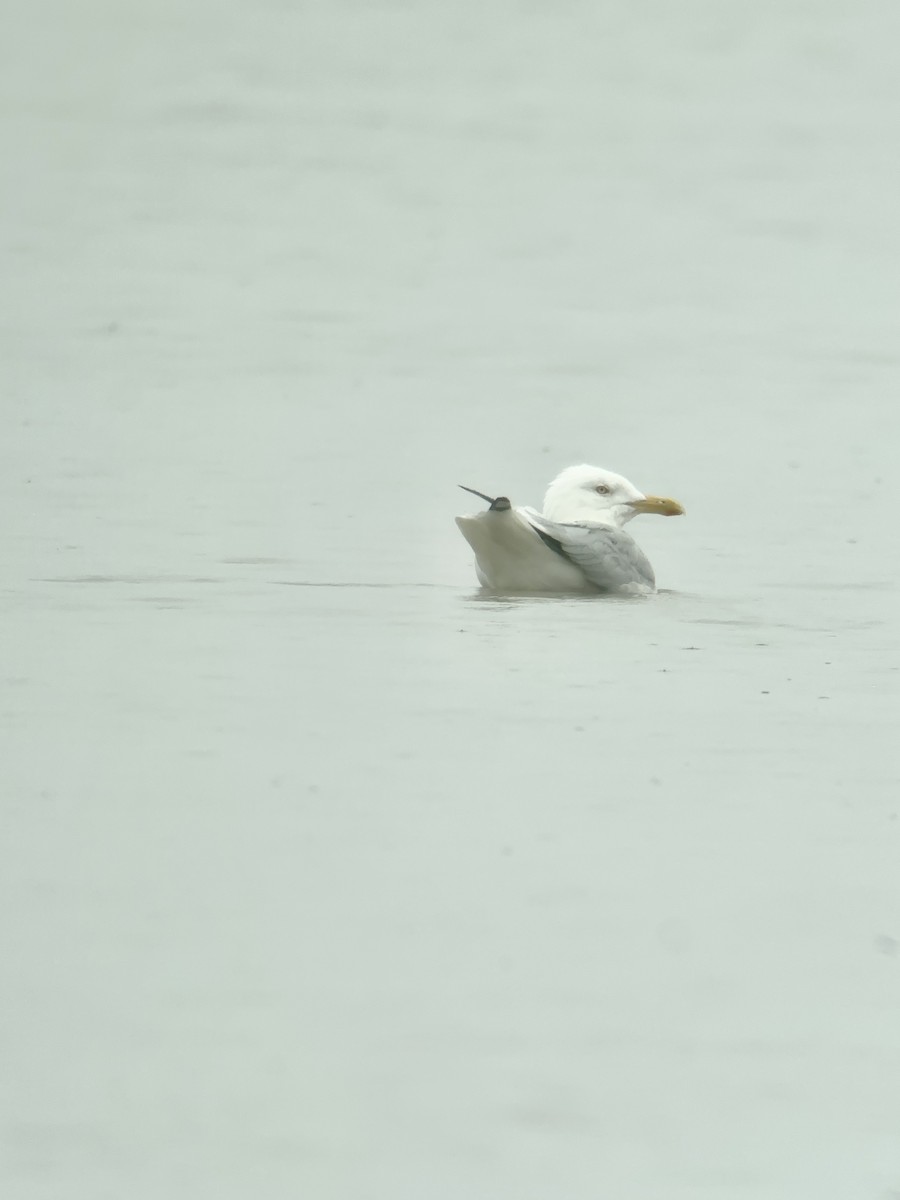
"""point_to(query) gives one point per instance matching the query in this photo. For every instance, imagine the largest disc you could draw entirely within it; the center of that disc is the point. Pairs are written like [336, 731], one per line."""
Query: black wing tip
[475, 492]
[497, 503]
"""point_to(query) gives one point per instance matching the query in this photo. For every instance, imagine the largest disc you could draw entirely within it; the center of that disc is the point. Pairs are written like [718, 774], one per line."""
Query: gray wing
[610, 558]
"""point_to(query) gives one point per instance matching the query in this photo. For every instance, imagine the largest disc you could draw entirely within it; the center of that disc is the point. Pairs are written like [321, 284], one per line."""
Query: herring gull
[577, 544]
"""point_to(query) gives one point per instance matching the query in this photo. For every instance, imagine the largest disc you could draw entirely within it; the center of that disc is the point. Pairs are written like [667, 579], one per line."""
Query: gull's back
[608, 557]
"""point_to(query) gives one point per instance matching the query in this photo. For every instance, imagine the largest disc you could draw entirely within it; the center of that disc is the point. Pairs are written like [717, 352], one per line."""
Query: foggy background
[321, 874]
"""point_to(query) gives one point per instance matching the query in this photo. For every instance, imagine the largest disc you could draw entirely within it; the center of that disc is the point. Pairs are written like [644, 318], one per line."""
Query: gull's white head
[586, 493]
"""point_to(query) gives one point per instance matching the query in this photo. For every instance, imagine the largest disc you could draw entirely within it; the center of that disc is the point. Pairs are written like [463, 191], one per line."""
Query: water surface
[324, 874]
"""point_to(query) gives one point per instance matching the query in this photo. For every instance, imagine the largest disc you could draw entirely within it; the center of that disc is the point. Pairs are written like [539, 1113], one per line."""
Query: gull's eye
[602, 489]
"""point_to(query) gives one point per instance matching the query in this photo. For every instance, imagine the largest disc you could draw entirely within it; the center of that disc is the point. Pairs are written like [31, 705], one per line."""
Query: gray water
[322, 874]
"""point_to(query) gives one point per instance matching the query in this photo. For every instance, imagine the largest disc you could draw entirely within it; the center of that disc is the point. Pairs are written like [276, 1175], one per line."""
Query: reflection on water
[559, 598]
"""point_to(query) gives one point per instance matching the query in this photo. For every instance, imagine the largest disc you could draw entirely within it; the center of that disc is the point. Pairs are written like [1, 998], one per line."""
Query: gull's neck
[584, 514]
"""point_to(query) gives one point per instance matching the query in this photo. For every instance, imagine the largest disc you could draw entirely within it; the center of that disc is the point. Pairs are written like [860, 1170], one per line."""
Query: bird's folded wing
[609, 557]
